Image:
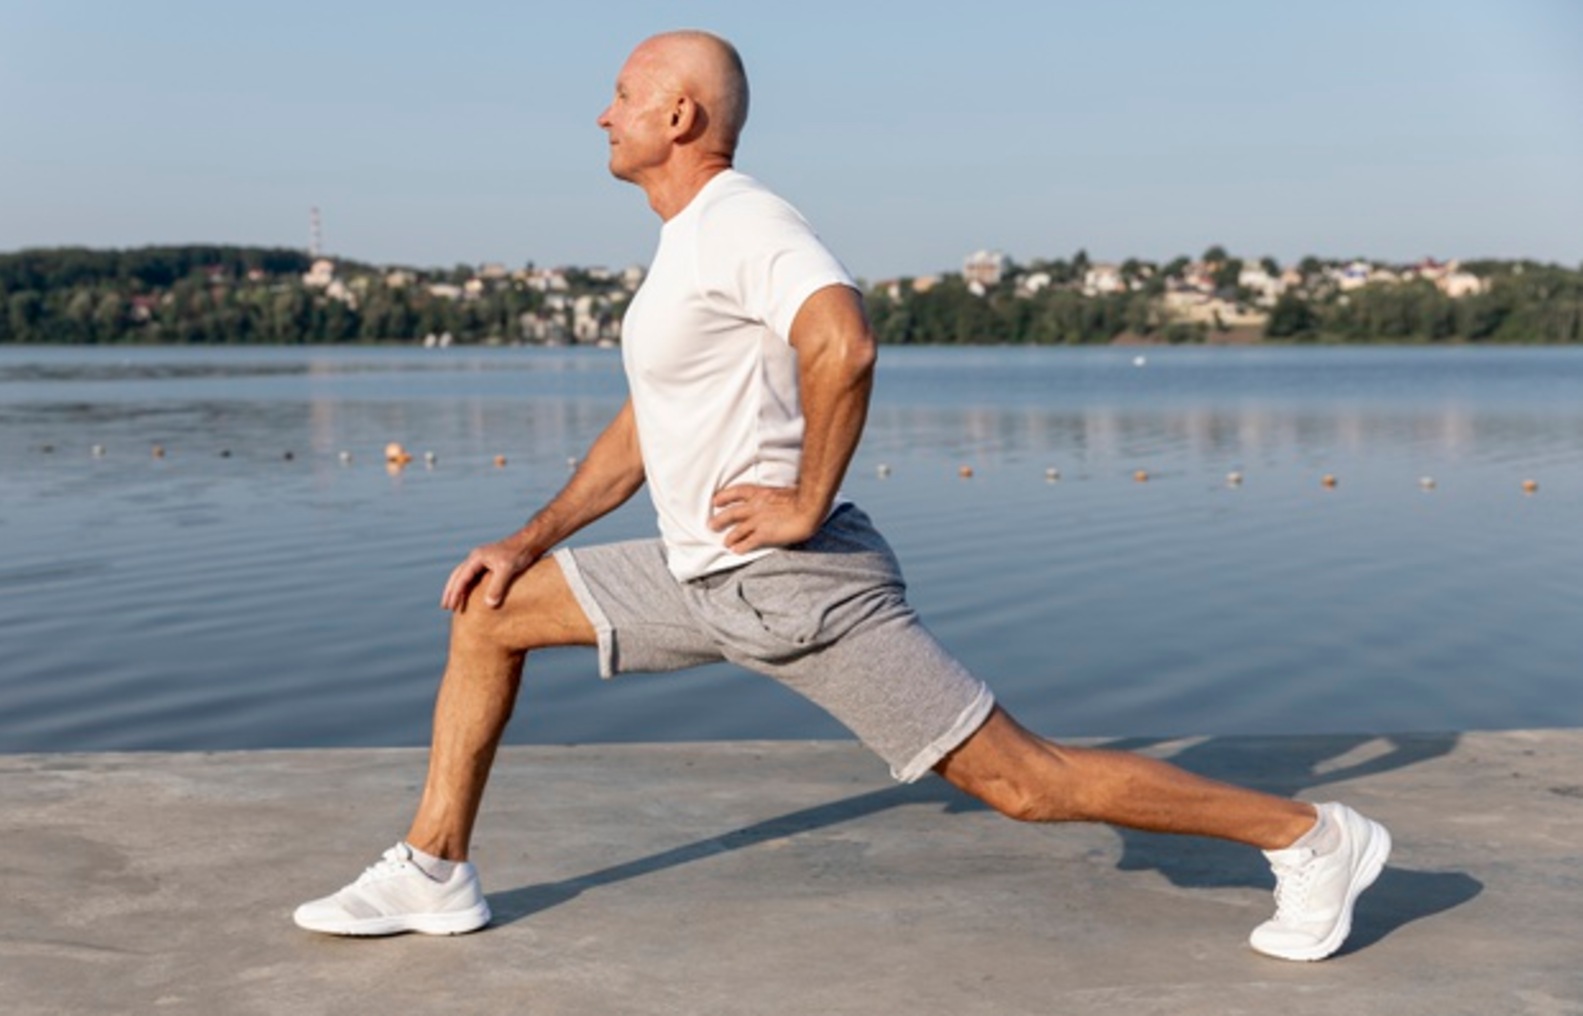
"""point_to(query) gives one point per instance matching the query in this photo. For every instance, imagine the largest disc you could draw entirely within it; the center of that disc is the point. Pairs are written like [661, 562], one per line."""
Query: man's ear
[687, 119]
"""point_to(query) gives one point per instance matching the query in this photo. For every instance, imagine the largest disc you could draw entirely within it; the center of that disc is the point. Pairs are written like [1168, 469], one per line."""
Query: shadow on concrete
[1298, 767]
[516, 904]
[1288, 766]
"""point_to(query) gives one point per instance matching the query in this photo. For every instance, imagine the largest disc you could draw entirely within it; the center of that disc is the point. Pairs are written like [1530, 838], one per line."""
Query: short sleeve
[759, 256]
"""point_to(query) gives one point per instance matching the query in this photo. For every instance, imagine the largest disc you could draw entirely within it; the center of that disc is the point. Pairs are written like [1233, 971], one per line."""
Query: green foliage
[1227, 271]
[1290, 318]
[216, 294]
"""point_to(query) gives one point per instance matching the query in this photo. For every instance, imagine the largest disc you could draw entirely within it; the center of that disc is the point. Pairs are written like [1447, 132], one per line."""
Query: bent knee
[538, 611]
[1019, 775]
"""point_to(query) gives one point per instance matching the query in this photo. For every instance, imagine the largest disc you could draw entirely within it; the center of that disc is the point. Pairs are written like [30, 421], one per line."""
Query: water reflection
[248, 600]
[1448, 433]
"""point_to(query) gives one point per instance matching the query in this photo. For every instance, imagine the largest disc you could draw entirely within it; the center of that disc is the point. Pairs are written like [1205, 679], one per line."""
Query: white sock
[437, 868]
[1322, 838]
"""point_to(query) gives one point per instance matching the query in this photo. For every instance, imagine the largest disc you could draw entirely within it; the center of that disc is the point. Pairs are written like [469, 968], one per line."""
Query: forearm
[608, 476]
[835, 374]
[835, 384]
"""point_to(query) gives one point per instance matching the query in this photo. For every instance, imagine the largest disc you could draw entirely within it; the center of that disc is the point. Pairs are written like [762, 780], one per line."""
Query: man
[749, 363]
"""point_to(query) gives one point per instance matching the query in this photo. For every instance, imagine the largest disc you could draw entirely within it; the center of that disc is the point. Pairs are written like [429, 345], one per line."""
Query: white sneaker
[1314, 892]
[396, 895]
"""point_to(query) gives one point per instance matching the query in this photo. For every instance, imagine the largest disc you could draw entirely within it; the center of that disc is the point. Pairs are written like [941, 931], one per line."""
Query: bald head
[708, 70]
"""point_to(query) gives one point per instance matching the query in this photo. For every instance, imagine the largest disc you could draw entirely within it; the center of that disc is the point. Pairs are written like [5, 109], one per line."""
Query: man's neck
[676, 190]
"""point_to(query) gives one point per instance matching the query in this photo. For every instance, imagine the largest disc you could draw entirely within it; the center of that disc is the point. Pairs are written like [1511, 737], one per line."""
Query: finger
[742, 539]
[736, 494]
[723, 520]
[499, 584]
[462, 576]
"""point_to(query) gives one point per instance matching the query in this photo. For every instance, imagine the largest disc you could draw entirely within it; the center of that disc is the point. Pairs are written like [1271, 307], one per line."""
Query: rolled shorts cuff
[966, 725]
[604, 631]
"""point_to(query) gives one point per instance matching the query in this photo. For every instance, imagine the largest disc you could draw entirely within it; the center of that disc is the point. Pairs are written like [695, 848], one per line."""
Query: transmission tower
[315, 233]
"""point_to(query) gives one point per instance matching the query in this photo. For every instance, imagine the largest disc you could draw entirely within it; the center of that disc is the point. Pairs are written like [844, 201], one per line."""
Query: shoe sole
[1375, 855]
[458, 922]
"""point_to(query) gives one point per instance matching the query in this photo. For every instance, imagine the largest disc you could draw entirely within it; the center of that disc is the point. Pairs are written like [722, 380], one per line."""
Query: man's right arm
[611, 473]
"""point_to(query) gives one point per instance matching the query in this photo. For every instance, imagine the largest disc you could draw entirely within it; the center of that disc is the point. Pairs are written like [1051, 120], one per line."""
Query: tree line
[1522, 302]
[199, 294]
[193, 295]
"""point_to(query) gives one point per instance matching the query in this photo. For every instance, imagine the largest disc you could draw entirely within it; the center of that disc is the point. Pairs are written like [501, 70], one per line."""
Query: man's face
[638, 118]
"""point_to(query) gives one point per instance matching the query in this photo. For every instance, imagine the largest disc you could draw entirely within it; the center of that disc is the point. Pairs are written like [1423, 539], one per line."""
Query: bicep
[830, 320]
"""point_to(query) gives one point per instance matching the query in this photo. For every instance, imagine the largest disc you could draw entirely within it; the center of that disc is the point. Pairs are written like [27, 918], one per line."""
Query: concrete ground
[748, 878]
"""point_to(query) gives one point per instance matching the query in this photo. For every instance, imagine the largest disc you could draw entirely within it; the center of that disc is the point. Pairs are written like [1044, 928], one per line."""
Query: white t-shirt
[712, 377]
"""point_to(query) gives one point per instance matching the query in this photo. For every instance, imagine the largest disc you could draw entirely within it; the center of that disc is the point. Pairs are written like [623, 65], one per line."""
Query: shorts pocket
[787, 616]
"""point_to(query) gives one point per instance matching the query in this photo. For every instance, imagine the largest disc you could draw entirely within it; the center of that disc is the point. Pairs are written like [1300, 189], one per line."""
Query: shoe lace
[391, 862]
[1293, 880]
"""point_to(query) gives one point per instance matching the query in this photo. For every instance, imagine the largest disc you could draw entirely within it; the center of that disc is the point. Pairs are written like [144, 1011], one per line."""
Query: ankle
[436, 845]
[1312, 831]
[437, 868]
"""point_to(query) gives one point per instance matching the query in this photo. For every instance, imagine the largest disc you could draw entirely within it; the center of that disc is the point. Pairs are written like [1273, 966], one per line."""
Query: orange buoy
[1328, 480]
[395, 453]
[966, 472]
[158, 451]
[1142, 476]
[1530, 486]
[500, 461]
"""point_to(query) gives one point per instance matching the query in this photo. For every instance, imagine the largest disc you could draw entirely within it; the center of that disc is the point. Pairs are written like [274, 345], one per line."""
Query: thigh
[539, 611]
[893, 685]
[636, 608]
[830, 620]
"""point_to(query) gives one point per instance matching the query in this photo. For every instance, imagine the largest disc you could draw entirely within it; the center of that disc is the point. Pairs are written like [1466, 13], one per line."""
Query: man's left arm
[835, 374]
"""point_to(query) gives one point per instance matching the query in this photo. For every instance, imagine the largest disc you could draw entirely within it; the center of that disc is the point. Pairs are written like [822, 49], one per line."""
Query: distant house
[338, 290]
[1429, 269]
[320, 274]
[1459, 284]
[548, 329]
[1033, 282]
[1266, 288]
[144, 308]
[1103, 278]
[1196, 307]
[1352, 276]
[985, 268]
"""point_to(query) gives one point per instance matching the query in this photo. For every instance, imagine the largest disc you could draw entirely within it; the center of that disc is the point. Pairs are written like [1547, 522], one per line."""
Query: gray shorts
[827, 618]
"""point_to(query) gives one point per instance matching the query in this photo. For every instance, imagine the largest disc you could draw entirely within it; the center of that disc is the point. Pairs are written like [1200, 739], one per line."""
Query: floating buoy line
[397, 457]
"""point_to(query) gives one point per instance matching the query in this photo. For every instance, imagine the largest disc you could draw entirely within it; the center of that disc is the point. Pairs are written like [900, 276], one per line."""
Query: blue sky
[910, 135]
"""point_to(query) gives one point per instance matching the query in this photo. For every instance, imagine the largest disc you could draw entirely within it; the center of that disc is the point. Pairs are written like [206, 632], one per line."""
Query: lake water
[204, 600]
